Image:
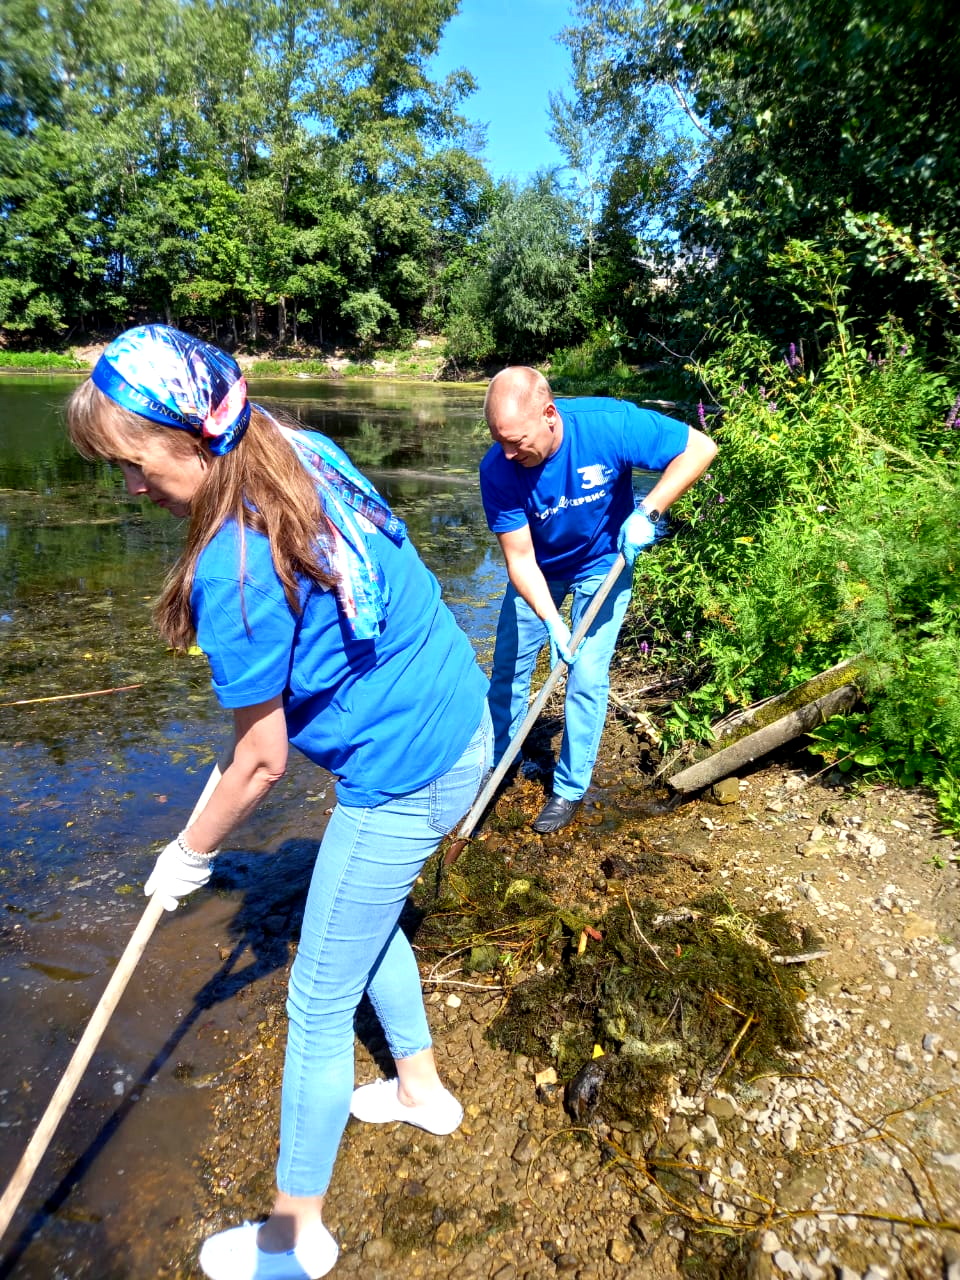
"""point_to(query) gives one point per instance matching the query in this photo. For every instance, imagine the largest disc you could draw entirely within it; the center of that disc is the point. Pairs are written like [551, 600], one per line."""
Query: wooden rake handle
[82, 1054]
[483, 799]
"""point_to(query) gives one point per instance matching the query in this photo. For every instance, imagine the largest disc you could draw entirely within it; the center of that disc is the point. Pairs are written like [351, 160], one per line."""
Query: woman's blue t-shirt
[385, 716]
[577, 499]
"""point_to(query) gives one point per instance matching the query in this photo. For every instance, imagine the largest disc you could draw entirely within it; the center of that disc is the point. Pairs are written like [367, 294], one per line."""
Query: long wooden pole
[483, 799]
[101, 1015]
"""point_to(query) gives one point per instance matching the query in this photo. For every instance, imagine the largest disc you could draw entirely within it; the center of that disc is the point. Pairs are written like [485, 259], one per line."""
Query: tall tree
[812, 112]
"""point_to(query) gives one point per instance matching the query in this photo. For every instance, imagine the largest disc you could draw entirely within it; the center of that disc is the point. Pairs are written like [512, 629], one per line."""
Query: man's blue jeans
[350, 943]
[520, 637]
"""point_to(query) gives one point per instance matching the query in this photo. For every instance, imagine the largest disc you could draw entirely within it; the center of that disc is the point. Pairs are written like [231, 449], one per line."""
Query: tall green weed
[827, 528]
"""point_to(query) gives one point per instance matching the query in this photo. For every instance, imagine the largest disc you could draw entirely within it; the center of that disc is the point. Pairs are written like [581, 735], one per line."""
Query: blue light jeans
[350, 943]
[520, 637]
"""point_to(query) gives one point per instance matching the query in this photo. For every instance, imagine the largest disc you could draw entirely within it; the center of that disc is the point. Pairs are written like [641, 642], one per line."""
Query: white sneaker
[378, 1103]
[235, 1255]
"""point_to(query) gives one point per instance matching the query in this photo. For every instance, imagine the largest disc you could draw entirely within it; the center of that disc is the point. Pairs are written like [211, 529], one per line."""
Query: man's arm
[526, 576]
[678, 476]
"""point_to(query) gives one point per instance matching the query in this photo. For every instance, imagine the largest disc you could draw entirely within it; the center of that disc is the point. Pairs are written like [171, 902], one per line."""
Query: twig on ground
[642, 936]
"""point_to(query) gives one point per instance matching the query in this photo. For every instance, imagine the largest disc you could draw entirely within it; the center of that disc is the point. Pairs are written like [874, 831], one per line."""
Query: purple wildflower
[701, 416]
[644, 648]
[952, 415]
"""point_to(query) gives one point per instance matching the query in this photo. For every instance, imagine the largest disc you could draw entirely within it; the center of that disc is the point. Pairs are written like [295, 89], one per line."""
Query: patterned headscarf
[182, 382]
[353, 507]
[178, 381]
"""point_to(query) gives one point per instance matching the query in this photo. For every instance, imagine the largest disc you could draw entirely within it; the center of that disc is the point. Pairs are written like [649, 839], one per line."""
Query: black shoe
[556, 813]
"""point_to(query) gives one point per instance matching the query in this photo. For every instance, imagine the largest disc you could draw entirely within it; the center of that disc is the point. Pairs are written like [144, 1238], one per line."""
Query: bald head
[521, 415]
[515, 389]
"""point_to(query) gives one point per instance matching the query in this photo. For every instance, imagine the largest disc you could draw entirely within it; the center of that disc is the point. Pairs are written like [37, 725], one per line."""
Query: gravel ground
[846, 1163]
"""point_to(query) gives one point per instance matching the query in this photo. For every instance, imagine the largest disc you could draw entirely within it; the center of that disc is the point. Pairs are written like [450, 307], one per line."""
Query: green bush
[39, 360]
[827, 528]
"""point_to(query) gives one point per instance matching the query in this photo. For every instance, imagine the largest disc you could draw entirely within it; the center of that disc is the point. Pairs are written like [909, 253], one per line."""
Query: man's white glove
[560, 638]
[178, 871]
[636, 532]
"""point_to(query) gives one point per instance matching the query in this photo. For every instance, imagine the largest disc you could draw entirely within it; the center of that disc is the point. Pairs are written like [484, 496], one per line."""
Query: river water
[92, 786]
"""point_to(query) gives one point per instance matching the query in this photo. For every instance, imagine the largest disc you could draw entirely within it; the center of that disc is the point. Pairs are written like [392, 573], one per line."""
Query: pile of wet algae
[576, 984]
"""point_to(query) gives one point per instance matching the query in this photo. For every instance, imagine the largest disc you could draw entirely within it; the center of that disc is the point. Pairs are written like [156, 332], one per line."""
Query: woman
[323, 629]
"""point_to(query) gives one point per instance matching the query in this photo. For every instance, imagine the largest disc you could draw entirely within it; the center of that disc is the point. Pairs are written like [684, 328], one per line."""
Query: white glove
[178, 871]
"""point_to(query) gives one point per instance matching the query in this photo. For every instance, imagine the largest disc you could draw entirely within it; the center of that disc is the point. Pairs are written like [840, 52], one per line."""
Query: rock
[726, 791]
[377, 1251]
[816, 849]
[525, 1150]
[620, 1251]
[811, 1271]
[583, 1091]
[788, 1264]
[769, 1242]
[720, 1108]
[915, 927]
[800, 1190]
[445, 1234]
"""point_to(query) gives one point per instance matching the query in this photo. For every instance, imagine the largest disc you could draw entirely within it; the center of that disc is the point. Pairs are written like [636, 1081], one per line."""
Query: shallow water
[91, 786]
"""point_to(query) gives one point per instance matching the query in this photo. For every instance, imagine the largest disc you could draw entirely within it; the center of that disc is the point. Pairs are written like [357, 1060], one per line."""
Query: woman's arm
[257, 761]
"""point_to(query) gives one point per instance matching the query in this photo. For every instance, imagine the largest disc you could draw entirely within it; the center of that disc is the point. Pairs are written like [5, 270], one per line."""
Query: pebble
[620, 1251]
[811, 1271]
[788, 1264]
[378, 1251]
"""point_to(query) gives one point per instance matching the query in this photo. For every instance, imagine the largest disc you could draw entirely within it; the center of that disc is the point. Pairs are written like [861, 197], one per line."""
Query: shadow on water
[265, 927]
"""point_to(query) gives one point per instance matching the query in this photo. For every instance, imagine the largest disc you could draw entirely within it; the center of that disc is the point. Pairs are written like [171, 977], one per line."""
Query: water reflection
[80, 563]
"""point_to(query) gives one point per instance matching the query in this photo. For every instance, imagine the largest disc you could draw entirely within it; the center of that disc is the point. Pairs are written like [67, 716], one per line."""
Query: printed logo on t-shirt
[594, 476]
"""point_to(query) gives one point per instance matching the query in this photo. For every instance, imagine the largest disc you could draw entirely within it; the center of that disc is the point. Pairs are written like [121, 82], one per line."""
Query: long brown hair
[261, 484]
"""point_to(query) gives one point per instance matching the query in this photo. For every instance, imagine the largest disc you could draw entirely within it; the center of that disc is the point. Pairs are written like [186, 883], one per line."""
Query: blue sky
[509, 47]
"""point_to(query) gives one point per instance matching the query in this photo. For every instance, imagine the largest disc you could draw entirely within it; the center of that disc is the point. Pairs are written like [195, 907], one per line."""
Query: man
[558, 493]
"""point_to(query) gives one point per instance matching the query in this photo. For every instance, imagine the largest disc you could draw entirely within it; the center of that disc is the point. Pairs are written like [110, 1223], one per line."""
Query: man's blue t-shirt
[577, 499]
[385, 716]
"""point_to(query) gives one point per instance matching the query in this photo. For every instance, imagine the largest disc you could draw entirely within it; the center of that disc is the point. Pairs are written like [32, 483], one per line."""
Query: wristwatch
[652, 514]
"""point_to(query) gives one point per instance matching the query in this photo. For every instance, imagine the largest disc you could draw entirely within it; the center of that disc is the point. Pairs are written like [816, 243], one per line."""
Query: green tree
[526, 293]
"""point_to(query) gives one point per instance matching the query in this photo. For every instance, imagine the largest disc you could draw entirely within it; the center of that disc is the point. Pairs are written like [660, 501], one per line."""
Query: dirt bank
[830, 1164]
